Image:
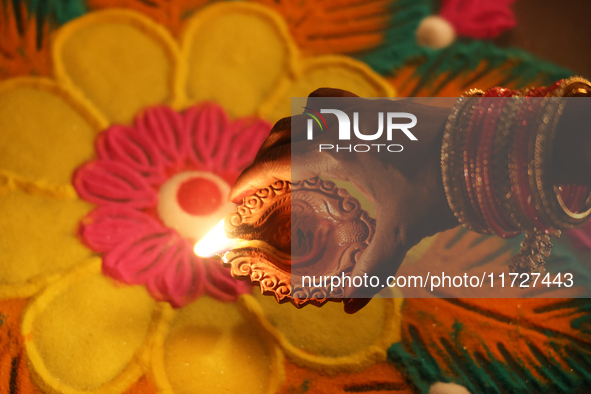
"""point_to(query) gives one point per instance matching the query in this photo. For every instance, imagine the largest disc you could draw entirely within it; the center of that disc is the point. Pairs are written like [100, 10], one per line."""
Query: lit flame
[214, 242]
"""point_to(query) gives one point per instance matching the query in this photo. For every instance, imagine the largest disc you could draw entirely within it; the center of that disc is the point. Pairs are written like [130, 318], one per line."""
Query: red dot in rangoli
[199, 196]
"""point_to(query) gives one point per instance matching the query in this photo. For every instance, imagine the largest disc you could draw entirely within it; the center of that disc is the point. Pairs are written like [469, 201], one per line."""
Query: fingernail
[353, 305]
[236, 197]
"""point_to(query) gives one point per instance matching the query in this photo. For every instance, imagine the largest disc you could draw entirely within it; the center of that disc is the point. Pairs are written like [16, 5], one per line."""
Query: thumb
[381, 259]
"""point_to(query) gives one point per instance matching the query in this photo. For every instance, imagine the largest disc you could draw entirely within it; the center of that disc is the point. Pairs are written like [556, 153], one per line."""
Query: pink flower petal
[163, 129]
[139, 256]
[249, 134]
[106, 227]
[221, 285]
[125, 145]
[109, 182]
[169, 269]
[207, 125]
[184, 279]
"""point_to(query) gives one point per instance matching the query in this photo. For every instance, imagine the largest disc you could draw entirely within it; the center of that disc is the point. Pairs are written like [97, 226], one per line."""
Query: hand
[405, 188]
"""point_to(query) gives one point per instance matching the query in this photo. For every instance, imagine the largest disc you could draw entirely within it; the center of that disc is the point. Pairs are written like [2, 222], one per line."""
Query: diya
[291, 232]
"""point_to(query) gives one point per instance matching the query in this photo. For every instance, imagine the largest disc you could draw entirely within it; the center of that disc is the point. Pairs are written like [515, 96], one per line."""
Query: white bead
[435, 32]
[447, 388]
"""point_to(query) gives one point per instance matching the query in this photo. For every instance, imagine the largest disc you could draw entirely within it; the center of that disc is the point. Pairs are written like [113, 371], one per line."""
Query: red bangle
[491, 204]
[528, 126]
[469, 160]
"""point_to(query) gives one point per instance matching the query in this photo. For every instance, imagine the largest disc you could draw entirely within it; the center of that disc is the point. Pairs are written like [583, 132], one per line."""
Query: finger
[382, 258]
[285, 131]
[292, 129]
[290, 162]
[321, 98]
[332, 92]
[353, 305]
[273, 166]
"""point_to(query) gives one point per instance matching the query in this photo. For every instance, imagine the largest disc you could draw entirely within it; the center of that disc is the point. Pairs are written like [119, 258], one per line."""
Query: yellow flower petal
[326, 71]
[121, 60]
[86, 334]
[211, 348]
[47, 132]
[327, 338]
[37, 237]
[237, 53]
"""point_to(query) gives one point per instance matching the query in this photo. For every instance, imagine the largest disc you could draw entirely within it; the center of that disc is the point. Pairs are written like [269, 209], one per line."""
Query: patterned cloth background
[106, 106]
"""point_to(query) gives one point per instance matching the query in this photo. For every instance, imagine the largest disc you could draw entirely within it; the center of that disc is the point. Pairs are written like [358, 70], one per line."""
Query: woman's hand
[405, 187]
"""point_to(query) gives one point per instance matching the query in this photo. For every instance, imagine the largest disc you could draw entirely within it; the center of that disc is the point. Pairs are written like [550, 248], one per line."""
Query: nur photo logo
[390, 119]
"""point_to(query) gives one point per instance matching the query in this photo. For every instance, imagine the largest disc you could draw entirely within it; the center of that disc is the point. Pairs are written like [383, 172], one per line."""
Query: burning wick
[215, 242]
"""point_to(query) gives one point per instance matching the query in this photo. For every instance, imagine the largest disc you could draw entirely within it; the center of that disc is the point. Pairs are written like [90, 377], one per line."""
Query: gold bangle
[450, 151]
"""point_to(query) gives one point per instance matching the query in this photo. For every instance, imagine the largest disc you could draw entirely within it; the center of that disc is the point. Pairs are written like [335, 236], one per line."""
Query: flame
[214, 242]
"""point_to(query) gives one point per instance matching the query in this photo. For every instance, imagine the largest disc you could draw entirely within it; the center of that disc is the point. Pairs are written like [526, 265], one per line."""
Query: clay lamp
[287, 233]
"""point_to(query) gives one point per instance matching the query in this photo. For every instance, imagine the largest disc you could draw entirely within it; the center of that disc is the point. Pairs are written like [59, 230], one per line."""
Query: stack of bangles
[496, 162]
